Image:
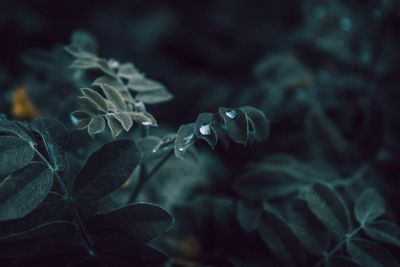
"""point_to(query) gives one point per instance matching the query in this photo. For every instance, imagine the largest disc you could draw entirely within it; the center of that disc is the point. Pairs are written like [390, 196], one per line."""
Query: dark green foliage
[22, 191]
[105, 170]
[322, 191]
[15, 153]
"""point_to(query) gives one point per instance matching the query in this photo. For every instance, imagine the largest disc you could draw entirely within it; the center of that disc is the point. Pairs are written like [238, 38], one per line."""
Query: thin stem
[144, 179]
[338, 246]
[67, 197]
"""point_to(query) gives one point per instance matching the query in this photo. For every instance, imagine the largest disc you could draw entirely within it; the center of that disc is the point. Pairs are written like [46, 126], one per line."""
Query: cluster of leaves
[117, 105]
[48, 209]
[314, 226]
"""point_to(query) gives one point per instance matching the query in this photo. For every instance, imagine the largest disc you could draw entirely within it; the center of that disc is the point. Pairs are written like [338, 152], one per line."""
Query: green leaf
[147, 146]
[143, 118]
[11, 127]
[205, 129]
[383, 232]
[128, 71]
[24, 190]
[97, 98]
[51, 209]
[84, 40]
[154, 97]
[248, 216]
[105, 170]
[15, 154]
[55, 138]
[96, 125]
[114, 125]
[258, 123]
[369, 206]
[278, 236]
[88, 105]
[341, 261]
[110, 82]
[80, 115]
[125, 119]
[40, 230]
[114, 96]
[185, 137]
[311, 233]
[84, 63]
[328, 207]
[141, 222]
[142, 84]
[370, 254]
[236, 124]
[83, 123]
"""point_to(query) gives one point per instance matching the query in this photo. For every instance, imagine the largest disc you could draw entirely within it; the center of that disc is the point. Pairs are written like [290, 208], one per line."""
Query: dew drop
[112, 63]
[146, 123]
[205, 129]
[231, 114]
[181, 149]
[73, 119]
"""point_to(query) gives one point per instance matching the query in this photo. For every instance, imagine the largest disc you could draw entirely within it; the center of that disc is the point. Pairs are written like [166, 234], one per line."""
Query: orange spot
[22, 106]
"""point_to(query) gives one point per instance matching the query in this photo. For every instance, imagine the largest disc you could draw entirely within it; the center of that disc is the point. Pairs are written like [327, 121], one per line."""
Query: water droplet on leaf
[231, 114]
[205, 129]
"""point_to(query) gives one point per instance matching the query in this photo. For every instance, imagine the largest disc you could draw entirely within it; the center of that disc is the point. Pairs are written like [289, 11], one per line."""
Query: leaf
[114, 125]
[51, 209]
[154, 97]
[370, 254]
[97, 98]
[127, 71]
[280, 239]
[83, 123]
[11, 127]
[84, 63]
[114, 96]
[185, 137]
[236, 124]
[248, 216]
[141, 222]
[205, 129]
[23, 191]
[15, 154]
[383, 232]
[88, 105]
[369, 206]
[147, 146]
[84, 40]
[55, 138]
[258, 123]
[40, 230]
[105, 170]
[328, 207]
[80, 115]
[125, 119]
[310, 232]
[143, 118]
[110, 82]
[142, 84]
[341, 261]
[96, 125]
